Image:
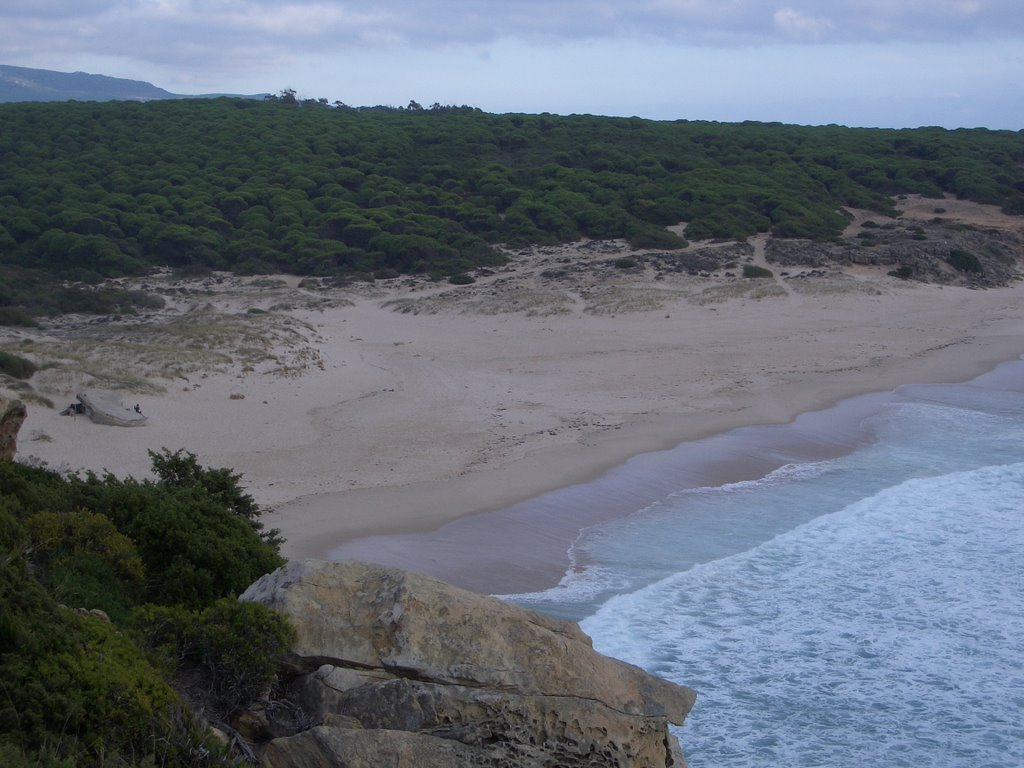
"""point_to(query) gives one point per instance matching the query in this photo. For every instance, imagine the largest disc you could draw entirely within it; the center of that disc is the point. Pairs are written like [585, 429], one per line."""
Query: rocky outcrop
[106, 408]
[395, 669]
[12, 415]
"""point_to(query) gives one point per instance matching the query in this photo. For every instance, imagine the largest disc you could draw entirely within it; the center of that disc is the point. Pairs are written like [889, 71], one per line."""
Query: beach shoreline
[527, 546]
[290, 436]
[401, 406]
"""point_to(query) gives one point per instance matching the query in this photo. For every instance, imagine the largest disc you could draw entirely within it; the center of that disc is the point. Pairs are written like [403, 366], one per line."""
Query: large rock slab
[466, 680]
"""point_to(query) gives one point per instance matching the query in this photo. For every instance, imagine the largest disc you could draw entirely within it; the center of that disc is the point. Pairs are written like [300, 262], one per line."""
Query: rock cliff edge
[12, 415]
[396, 669]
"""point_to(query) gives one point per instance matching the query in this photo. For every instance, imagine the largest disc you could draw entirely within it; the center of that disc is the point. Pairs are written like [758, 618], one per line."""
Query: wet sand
[527, 546]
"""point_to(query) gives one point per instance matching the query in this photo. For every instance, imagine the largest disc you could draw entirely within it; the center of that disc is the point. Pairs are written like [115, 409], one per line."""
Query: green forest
[94, 190]
[119, 619]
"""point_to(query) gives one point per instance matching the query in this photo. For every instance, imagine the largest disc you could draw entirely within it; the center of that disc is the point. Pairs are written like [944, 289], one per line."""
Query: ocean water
[866, 609]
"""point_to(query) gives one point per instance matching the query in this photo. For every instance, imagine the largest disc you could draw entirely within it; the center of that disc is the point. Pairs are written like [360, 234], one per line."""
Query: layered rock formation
[12, 415]
[396, 669]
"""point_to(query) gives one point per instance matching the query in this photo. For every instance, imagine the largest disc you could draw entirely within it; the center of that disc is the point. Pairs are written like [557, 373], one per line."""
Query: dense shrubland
[163, 560]
[92, 190]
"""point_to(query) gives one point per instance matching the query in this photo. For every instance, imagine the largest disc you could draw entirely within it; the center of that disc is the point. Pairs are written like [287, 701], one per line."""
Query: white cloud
[414, 22]
[293, 19]
[55, 9]
[251, 45]
[797, 26]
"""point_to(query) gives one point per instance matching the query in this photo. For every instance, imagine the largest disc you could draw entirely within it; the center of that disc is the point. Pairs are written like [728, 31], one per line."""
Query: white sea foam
[785, 474]
[871, 606]
[890, 629]
[587, 581]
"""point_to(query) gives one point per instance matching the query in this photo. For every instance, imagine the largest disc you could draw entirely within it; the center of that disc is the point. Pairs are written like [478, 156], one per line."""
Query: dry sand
[402, 405]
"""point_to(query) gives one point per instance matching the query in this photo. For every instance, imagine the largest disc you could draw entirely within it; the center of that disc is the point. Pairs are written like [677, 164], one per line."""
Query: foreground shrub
[196, 530]
[181, 469]
[84, 561]
[12, 756]
[76, 687]
[194, 549]
[231, 649]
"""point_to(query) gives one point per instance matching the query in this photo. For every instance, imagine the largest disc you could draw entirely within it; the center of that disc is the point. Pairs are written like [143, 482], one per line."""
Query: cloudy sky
[891, 63]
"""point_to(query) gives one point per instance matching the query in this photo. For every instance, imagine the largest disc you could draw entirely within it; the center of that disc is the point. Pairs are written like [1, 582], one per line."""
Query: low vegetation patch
[16, 365]
[232, 647]
[755, 271]
[965, 262]
[114, 593]
[12, 316]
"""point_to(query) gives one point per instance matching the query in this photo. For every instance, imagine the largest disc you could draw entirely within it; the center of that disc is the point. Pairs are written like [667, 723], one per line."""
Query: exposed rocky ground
[933, 251]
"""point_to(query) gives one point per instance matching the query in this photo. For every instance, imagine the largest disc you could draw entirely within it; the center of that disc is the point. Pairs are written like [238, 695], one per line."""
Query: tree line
[94, 190]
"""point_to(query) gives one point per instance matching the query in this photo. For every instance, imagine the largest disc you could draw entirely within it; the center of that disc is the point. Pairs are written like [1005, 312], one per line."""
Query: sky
[874, 63]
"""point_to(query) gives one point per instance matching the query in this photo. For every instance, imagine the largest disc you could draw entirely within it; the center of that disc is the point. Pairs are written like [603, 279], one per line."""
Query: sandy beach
[401, 405]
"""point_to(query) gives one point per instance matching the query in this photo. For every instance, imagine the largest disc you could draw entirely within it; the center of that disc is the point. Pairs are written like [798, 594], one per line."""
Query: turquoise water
[864, 609]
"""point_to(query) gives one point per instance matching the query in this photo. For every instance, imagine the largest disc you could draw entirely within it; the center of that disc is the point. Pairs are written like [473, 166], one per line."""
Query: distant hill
[26, 84]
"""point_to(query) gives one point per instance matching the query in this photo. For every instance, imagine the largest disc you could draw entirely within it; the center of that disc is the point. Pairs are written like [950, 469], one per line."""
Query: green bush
[196, 548]
[755, 271]
[24, 491]
[233, 647]
[16, 366]
[85, 562]
[196, 531]
[461, 279]
[626, 263]
[646, 236]
[181, 469]
[78, 689]
[12, 316]
[76, 685]
[964, 261]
